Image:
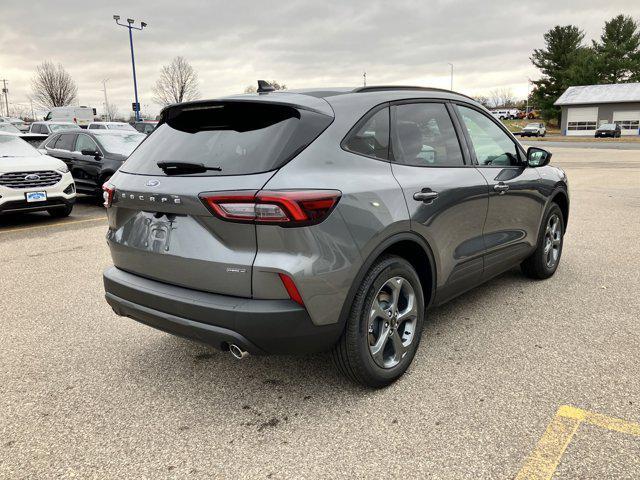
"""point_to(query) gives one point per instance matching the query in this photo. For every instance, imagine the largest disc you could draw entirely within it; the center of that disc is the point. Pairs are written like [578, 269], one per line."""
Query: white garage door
[629, 122]
[582, 121]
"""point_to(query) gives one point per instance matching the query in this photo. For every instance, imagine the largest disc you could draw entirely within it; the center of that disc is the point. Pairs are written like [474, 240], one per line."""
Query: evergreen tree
[618, 50]
[561, 62]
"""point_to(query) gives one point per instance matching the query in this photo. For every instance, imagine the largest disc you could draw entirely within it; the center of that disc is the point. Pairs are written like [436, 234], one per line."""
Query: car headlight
[63, 169]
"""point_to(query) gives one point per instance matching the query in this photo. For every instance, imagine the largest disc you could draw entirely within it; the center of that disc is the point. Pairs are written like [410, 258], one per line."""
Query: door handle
[426, 196]
[501, 188]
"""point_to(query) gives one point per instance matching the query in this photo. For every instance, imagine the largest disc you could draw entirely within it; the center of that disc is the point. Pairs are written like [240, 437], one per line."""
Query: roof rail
[383, 88]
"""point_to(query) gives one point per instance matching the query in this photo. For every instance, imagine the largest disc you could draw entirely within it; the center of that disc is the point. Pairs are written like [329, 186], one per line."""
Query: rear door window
[237, 137]
[424, 136]
[65, 142]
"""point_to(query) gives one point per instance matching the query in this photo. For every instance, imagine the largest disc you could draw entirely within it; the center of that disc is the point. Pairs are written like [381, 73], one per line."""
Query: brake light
[291, 288]
[287, 208]
[107, 194]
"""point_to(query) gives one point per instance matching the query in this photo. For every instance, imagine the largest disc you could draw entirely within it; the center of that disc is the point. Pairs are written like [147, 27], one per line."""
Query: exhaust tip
[237, 352]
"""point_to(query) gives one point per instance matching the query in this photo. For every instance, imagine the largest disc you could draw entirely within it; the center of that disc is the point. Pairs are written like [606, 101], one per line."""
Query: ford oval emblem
[32, 177]
[153, 183]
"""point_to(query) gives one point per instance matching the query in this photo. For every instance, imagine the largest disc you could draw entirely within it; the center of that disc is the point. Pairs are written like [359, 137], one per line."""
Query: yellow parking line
[543, 461]
[35, 227]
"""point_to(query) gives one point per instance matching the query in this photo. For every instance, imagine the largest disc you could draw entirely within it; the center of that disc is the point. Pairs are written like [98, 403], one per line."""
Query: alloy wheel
[392, 322]
[552, 241]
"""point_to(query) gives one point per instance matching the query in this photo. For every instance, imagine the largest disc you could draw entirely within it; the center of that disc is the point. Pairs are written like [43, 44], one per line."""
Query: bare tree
[502, 97]
[273, 83]
[52, 86]
[482, 100]
[178, 83]
[112, 112]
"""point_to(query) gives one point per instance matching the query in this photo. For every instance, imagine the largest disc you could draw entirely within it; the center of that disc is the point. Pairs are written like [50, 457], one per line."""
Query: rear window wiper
[176, 168]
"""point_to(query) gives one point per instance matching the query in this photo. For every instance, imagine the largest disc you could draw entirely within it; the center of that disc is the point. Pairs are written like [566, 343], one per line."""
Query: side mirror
[538, 157]
[92, 153]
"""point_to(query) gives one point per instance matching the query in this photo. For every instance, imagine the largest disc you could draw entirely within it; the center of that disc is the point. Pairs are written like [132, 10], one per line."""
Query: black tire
[352, 354]
[537, 265]
[60, 212]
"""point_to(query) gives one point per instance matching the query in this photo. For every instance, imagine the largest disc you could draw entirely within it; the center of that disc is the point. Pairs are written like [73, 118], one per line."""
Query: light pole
[451, 65]
[106, 102]
[5, 90]
[130, 26]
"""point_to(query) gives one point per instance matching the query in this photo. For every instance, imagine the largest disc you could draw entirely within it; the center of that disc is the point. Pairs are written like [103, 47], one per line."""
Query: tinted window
[372, 137]
[85, 142]
[424, 136]
[51, 141]
[238, 137]
[65, 142]
[490, 143]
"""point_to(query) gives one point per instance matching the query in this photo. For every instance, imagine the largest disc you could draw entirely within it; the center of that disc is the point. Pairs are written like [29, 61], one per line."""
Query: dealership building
[586, 107]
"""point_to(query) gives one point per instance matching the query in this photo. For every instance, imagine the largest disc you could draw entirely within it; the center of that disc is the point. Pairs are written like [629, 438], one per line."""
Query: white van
[82, 116]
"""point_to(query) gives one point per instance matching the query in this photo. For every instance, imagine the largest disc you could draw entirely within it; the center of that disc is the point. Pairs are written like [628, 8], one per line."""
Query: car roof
[121, 133]
[321, 99]
[109, 123]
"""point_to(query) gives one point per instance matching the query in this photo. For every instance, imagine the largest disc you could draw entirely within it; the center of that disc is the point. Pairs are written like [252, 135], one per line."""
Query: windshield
[120, 144]
[119, 126]
[11, 146]
[57, 127]
[237, 137]
[7, 127]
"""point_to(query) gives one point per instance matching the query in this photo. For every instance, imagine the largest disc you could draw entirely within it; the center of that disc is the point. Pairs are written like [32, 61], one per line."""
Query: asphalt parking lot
[516, 379]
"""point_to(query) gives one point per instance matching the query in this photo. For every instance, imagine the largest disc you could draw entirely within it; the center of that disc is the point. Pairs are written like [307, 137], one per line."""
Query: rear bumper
[257, 326]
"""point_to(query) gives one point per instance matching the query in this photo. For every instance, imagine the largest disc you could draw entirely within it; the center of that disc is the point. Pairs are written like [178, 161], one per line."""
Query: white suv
[31, 181]
[510, 114]
[536, 129]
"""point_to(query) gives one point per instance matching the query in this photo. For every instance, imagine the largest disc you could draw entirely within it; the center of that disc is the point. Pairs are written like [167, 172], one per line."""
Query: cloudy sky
[299, 42]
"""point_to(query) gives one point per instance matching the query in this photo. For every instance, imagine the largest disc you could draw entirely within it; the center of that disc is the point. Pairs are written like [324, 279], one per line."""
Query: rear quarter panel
[324, 259]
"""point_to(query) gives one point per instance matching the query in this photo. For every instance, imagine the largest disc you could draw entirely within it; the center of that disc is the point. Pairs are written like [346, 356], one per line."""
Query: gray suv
[325, 220]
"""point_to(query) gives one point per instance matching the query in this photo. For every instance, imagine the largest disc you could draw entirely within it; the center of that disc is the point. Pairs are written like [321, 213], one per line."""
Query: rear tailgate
[181, 243]
[158, 225]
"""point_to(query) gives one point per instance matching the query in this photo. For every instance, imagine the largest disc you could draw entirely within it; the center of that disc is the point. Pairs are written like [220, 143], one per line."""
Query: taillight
[107, 194]
[287, 208]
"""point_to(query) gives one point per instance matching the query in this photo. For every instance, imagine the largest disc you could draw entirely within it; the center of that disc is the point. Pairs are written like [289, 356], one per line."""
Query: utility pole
[130, 26]
[33, 116]
[364, 77]
[451, 65]
[6, 93]
[106, 102]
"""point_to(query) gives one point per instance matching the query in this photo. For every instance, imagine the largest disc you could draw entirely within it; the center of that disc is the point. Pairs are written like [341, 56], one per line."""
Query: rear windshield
[57, 127]
[120, 143]
[237, 137]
